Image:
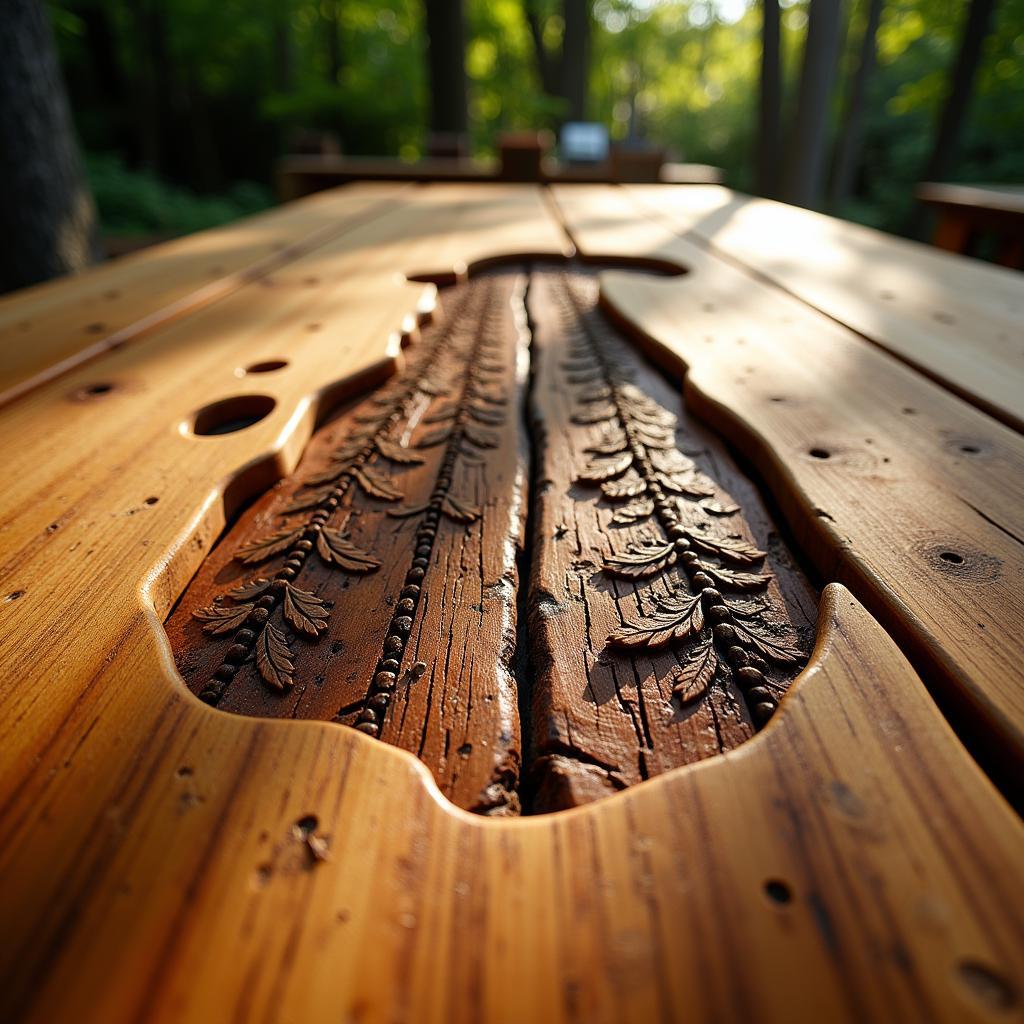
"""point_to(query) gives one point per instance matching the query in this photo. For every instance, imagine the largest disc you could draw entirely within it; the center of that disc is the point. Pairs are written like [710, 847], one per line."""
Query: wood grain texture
[852, 859]
[960, 321]
[896, 487]
[438, 585]
[46, 330]
[167, 862]
[606, 718]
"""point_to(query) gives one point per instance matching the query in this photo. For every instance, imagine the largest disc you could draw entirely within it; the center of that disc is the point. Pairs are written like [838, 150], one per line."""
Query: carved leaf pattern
[305, 611]
[221, 618]
[266, 547]
[274, 659]
[691, 680]
[335, 548]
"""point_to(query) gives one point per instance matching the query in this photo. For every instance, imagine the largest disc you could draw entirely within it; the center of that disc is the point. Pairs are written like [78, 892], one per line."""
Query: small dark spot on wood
[952, 557]
[112, 294]
[313, 327]
[907, 411]
[267, 366]
[151, 501]
[778, 891]
[988, 986]
[944, 318]
[185, 771]
[14, 595]
[777, 398]
[53, 528]
[97, 328]
[820, 453]
[92, 390]
[465, 750]
[970, 449]
[263, 874]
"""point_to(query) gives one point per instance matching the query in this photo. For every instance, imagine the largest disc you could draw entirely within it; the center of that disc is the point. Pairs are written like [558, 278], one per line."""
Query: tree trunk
[47, 217]
[810, 137]
[576, 58]
[848, 155]
[332, 39]
[446, 57]
[769, 136]
[283, 57]
[958, 98]
[547, 63]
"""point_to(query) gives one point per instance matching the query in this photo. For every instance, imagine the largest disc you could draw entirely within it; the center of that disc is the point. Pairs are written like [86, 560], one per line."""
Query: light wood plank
[894, 486]
[46, 330]
[958, 320]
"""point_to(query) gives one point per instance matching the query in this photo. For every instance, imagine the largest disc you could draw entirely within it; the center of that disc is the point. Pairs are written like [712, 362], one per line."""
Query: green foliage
[138, 203]
[231, 85]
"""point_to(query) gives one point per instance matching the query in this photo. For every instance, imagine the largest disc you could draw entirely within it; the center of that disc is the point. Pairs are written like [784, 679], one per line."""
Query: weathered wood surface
[606, 714]
[959, 321]
[895, 486]
[44, 331]
[165, 861]
[378, 582]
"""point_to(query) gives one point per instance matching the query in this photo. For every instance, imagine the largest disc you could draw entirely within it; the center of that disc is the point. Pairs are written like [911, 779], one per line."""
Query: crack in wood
[393, 604]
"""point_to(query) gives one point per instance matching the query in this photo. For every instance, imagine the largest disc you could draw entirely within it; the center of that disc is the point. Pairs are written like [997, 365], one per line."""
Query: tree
[770, 102]
[446, 61]
[851, 138]
[961, 85]
[47, 218]
[564, 73]
[806, 166]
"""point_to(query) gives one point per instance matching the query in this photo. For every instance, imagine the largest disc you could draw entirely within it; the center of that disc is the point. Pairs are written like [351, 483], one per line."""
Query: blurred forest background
[182, 106]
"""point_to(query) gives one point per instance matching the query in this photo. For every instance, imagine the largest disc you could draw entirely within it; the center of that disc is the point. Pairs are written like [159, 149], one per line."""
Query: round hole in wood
[232, 414]
[987, 986]
[820, 453]
[952, 557]
[266, 366]
[778, 891]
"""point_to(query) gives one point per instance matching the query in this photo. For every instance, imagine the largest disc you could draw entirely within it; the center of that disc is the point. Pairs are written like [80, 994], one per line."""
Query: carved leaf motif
[734, 549]
[692, 485]
[442, 413]
[483, 414]
[642, 558]
[459, 509]
[663, 626]
[305, 611]
[335, 548]
[634, 512]
[396, 452]
[376, 485]
[736, 580]
[595, 393]
[492, 397]
[221, 618]
[434, 437]
[599, 414]
[609, 444]
[328, 475]
[783, 650]
[247, 591]
[716, 508]
[690, 681]
[607, 469]
[627, 487]
[309, 499]
[266, 547]
[479, 436]
[274, 659]
[671, 461]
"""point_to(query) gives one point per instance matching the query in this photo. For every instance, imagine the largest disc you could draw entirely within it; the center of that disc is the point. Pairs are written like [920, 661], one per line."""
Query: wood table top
[466, 602]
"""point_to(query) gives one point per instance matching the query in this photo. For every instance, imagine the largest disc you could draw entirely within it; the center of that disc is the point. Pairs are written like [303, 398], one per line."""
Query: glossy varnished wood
[165, 861]
[960, 321]
[894, 486]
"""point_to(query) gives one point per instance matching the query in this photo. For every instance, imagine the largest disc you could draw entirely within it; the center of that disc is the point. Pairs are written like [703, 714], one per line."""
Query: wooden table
[301, 175]
[340, 543]
[968, 212]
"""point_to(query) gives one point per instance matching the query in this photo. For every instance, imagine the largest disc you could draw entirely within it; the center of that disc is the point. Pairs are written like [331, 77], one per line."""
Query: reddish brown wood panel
[377, 585]
[661, 633]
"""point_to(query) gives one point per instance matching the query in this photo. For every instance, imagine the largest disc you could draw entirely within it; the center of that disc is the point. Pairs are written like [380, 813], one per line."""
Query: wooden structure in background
[166, 860]
[966, 213]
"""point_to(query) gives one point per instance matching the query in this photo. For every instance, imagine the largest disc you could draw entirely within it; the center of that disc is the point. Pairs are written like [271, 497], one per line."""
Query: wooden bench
[508, 602]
